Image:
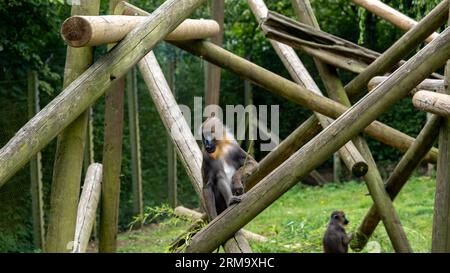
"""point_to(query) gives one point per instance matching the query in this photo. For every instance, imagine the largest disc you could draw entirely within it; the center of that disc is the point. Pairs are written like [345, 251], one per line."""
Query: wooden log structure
[398, 179]
[185, 212]
[434, 85]
[440, 239]
[294, 92]
[87, 207]
[432, 102]
[324, 145]
[172, 177]
[373, 178]
[67, 168]
[37, 201]
[80, 31]
[90, 85]
[349, 153]
[112, 160]
[408, 42]
[180, 133]
[391, 15]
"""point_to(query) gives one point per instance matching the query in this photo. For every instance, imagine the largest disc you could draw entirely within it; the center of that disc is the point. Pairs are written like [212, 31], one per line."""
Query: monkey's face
[209, 142]
[339, 218]
[213, 132]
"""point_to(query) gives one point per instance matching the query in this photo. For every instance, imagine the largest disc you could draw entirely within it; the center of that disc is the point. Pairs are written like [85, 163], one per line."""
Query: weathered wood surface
[213, 73]
[440, 241]
[294, 92]
[180, 133]
[87, 207]
[407, 43]
[185, 212]
[373, 177]
[69, 156]
[80, 31]
[324, 145]
[434, 85]
[391, 15]
[172, 174]
[92, 84]
[432, 102]
[37, 205]
[349, 154]
[398, 179]
[112, 161]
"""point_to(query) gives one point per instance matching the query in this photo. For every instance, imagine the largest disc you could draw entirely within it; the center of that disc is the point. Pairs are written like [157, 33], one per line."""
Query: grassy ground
[297, 221]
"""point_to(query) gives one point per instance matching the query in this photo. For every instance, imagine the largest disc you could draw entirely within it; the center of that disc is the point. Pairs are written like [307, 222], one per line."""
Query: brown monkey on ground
[336, 239]
[225, 167]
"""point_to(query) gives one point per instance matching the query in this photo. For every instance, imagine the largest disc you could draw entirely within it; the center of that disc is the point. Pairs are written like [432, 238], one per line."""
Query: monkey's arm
[210, 201]
[247, 166]
[226, 191]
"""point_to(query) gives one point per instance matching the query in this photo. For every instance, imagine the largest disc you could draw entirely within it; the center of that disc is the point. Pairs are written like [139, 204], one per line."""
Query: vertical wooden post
[441, 219]
[70, 149]
[36, 168]
[171, 152]
[337, 168]
[212, 81]
[430, 166]
[133, 120]
[248, 100]
[89, 156]
[112, 161]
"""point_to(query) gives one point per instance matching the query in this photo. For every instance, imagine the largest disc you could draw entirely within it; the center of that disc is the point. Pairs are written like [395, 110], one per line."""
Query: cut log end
[76, 31]
[360, 169]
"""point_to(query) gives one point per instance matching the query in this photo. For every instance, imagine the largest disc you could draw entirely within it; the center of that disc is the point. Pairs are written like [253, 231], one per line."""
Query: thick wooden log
[324, 145]
[398, 179]
[428, 84]
[213, 73]
[183, 211]
[391, 15]
[180, 133]
[112, 161]
[294, 92]
[299, 137]
[70, 150]
[87, 207]
[432, 102]
[87, 88]
[349, 154]
[36, 168]
[400, 49]
[440, 241]
[80, 31]
[373, 178]
[172, 180]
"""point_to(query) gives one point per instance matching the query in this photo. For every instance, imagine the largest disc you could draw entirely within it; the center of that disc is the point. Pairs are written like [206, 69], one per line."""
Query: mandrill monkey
[336, 239]
[225, 166]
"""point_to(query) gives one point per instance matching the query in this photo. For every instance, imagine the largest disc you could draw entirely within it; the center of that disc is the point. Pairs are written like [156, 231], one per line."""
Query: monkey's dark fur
[225, 166]
[336, 239]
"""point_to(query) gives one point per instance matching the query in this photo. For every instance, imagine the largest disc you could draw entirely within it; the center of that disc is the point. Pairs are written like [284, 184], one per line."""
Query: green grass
[297, 221]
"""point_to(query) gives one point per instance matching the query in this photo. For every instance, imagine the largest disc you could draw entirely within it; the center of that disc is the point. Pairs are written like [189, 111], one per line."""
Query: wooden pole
[428, 84]
[171, 152]
[398, 179]
[391, 15]
[112, 161]
[212, 81]
[294, 92]
[80, 31]
[397, 51]
[349, 154]
[324, 145]
[36, 168]
[70, 150]
[441, 219]
[87, 208]
[133, 120]
[185, 144]
[88, 87]
[432, 102]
